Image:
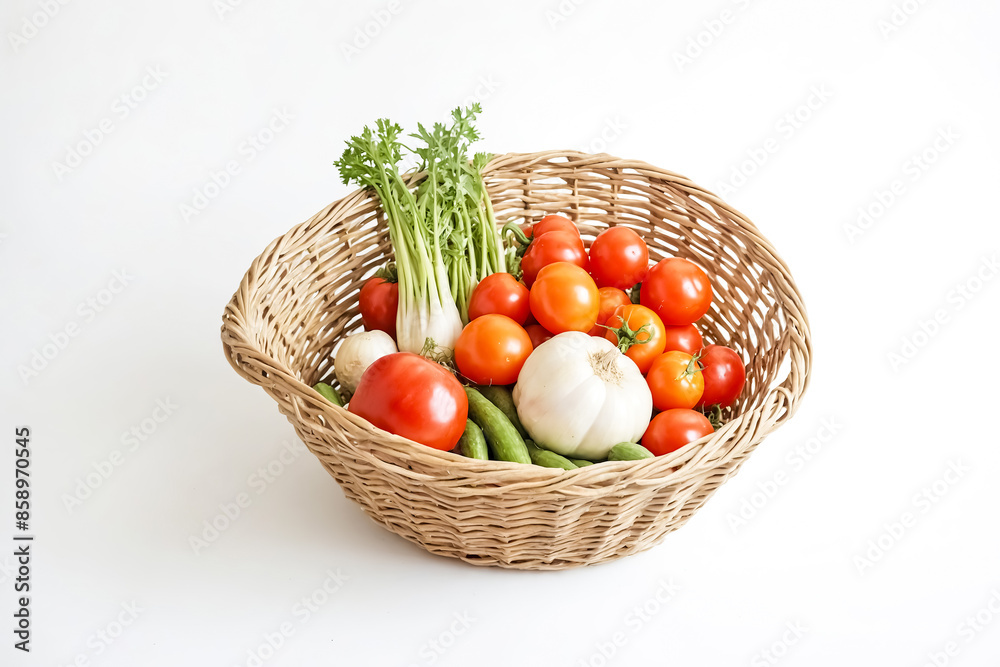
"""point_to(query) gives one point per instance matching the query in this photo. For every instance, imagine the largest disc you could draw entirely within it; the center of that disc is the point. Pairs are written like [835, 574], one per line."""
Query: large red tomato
[678, 290]
[672, 429]
[550, 248]
[724, 376]
[500, 293]
[378, 301]
[491, 350]
[406, 394]
[618, 258]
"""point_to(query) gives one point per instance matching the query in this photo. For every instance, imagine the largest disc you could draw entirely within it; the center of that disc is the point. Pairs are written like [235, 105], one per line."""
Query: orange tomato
[638, 332]
[675, 381]
[564, 298]
[491, 349]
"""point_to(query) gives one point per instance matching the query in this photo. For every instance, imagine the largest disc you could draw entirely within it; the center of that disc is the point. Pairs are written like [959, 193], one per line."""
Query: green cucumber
[327, 392]
[501, 397]
[505, 443]
[579, 463]
[473, 442]
[629, 451]
[547, 459]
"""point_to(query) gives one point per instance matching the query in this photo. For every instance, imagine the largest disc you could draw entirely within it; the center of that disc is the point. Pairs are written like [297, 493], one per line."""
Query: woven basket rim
[694, 457]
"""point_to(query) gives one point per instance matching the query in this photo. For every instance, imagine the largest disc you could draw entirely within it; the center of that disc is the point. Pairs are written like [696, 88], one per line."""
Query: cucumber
[547, 459]
[629, 451]
[505, 443]
[501, 397]
[327, 392]
[579, 463]
[473, 442]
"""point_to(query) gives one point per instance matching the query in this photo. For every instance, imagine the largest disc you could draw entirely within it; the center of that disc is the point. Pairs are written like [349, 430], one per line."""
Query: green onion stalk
[443, 232]
[455, 198]
[426, 306]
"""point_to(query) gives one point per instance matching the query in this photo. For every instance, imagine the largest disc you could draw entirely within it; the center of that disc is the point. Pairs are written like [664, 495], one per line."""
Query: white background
[593, 76]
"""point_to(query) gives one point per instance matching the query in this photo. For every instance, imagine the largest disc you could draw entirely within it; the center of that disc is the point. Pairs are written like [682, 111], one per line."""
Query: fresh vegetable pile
[548, 352]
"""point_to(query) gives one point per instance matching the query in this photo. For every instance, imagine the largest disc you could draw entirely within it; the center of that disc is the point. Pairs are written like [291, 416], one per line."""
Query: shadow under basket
[299, 298]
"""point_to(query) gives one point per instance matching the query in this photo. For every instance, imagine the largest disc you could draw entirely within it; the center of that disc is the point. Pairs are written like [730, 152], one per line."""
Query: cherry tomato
[564, 298]
[500, 293]
[538, 334]
[378, 301]
[550, 248]
[678, 290]
[491, 350]
[685, 338]
[672, 429]
[611, 298]
[638, 332]
[406, 394]
[724, 375]
[675, 381]
[618, 258]
[553, 223]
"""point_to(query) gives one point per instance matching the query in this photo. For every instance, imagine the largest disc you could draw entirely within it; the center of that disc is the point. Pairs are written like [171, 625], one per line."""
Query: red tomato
[638, 332]
[675, 381]
[564, 298]
[550, 248]
[678, 290]
[685, 338]
[413, 397]
[500, 293]
[618, 258]
[491, 350]
[611, 298]
[538, 334]
[378, 301]
[670, 430]
[553, 223]
[724, 375]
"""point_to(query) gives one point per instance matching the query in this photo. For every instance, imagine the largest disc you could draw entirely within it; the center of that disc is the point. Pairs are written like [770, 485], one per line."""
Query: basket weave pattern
[299, 298]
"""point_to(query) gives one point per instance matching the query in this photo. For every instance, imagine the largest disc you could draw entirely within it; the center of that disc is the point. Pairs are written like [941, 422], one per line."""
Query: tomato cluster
[564, 287]
[658, 333]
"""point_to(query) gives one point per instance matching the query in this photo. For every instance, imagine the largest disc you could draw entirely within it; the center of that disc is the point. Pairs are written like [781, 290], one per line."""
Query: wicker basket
[300, 297]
